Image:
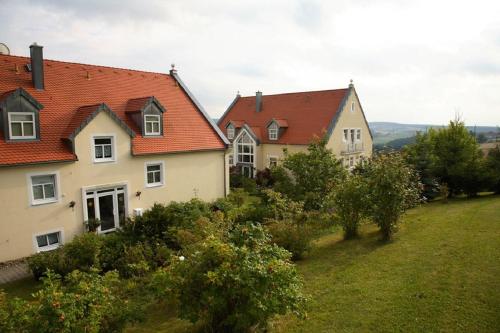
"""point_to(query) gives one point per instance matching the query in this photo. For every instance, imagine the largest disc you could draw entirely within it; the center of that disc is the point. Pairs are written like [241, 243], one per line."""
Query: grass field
[440, 274]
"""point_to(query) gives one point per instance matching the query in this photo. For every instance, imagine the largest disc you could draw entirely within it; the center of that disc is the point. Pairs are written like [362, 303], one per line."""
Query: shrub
[82, 252]
[87, 302]
[349, 204]
[393, 187]
[233, 286]
[54, 260]
[91, 225]
[295, 237]
[160, 222]
[309, 177]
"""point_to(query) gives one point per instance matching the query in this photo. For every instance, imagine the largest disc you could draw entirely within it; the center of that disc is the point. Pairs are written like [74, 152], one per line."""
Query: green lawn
[440, 274]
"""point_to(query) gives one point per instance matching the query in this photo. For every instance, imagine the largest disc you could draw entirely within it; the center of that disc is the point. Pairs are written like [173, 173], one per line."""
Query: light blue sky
[411, 61]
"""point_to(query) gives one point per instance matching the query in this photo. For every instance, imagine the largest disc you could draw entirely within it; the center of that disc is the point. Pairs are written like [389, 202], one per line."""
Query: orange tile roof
[72, 88]
[303, 114]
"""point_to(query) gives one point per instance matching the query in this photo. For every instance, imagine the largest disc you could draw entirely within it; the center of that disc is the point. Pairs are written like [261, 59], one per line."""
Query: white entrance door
[107, 205]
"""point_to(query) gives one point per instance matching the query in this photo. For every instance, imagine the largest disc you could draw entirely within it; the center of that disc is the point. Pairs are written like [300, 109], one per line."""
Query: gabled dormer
[233, 128]
[147, 114]
[19, 116]
[275, 128]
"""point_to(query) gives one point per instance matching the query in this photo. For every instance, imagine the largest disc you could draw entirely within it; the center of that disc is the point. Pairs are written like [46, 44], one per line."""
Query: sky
[411, 61]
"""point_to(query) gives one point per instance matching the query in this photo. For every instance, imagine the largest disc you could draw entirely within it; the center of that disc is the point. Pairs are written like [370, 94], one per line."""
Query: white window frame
[39, 249]
[156, 121]
[358, 131]
[251, 145]
[269, 158]
[231, 159]
[22, 137]
[273, 131]
[230, 132]
[353, 107]
[95, 196]
[57, 188]
[345, 135]
[162, 173]
[113, 148]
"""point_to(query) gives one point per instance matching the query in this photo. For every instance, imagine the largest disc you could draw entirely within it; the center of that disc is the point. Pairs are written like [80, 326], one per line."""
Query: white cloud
[412, 61]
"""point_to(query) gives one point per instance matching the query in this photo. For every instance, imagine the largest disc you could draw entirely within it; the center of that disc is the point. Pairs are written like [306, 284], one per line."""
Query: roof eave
[200, 108]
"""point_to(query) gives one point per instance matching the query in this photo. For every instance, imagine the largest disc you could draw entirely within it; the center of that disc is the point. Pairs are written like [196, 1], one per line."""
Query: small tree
[349, 204]
[492, 166]
[235, 285]
[310, 176]
[392, 188]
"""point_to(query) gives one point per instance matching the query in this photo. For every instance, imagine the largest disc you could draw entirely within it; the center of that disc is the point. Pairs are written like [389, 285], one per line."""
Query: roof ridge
[91, 65]
[298, 92]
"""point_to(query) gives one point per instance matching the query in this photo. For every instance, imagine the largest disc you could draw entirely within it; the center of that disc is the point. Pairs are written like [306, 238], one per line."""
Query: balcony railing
[352, 147]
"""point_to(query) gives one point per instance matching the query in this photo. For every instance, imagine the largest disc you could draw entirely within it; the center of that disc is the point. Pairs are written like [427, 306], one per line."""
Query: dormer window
[19, 116]
[22, 125]
[152, 125]
[273, 131]
[230, 132]
[147, 114]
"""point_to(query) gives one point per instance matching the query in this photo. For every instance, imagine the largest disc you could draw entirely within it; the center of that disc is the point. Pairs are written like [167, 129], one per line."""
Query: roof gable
[85, 114]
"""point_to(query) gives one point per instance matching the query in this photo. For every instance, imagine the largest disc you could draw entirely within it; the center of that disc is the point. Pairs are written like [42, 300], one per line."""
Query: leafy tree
[481, 138]
[392, 188]
[492, 169]
[235, 285]
[309, 176]
[456, 157]
[349, 204]
[421, 156]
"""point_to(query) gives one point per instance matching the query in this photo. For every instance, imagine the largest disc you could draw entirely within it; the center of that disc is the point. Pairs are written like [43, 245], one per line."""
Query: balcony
[352, 147]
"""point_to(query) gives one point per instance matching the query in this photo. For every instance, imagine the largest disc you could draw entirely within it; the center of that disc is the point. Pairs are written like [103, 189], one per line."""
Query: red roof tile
[303, 114]
[68, 93]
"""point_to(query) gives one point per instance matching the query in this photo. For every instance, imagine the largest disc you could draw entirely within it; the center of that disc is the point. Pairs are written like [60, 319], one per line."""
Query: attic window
[273, 131]
[230, 132]
[22, 125]
[352, 107]
[152, 125]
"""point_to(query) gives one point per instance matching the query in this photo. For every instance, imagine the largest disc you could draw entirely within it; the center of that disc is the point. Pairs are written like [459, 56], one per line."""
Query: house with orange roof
[81, 142]
[260, 127]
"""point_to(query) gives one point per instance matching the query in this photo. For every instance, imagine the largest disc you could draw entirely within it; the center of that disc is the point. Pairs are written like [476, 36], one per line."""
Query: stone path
[13, 271]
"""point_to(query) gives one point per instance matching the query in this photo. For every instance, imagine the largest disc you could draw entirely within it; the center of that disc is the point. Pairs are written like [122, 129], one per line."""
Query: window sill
[43, 202]
[154, 185]
[108, 160]
[48, 248]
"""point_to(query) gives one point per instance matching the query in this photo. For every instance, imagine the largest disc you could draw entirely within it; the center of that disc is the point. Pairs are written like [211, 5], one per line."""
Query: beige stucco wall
[187, 175]
[348, 119]
[275, 150]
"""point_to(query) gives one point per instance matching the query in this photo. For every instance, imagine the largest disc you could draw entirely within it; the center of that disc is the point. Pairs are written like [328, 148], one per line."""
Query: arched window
[244, 149]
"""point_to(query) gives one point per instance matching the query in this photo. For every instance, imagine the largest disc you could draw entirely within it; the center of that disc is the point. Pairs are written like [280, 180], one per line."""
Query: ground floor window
[273, 161]
[47, 242]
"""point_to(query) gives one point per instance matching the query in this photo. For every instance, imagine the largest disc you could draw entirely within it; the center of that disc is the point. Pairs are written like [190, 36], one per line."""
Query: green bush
[81, 253]
[160, 222]
[233, 286]
[392, 188]
[86, 302]
[296, 237]
[349, 204]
